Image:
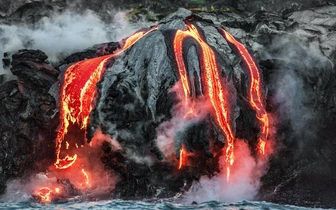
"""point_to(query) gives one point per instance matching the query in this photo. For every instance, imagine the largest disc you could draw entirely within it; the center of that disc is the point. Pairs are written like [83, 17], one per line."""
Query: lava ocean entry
[85, 96]
[173, 109]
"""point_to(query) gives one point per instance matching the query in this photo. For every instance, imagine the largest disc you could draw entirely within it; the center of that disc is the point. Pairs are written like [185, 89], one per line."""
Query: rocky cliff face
[296, 55]
[28, 116]
[25, 9]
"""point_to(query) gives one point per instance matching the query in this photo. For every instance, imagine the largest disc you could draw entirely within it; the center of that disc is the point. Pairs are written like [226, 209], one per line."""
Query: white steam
[98, 184]
[245, 173]
[244, 180]
[184, 115]
[299, 84]
[62, 34]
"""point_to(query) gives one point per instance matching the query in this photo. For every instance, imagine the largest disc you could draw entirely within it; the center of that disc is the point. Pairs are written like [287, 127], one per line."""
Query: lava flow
[44, 194]
[86, 177]
[182, 157]
[78, 92]
[77, 96]
[255, 92]
[213, 85]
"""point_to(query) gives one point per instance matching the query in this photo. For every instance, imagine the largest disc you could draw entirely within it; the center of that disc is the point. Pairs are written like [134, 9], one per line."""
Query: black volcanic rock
[92, 52]
[27, 117]
[30, 11]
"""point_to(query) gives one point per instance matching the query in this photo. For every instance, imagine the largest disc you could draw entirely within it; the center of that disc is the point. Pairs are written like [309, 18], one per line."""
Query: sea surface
[121, 204]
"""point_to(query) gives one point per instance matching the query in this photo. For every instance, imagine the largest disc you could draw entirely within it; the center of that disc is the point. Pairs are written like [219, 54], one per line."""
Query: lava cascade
[255, 91]
[78, 93]
[77, 97]
[213, 85]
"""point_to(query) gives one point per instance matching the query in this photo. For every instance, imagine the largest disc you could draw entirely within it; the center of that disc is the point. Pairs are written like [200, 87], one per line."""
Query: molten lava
[66, 162]
[57, 190]
[182, 157]
[213, 84]
[255, 93]
[78, 93]
[44, 194]
[86, 177]
[178, 41]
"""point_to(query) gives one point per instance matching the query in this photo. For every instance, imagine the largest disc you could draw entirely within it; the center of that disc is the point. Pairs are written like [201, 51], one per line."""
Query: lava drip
[255, 92]
[182, 157]
[86, 177]
[213, 85]
[78, 94]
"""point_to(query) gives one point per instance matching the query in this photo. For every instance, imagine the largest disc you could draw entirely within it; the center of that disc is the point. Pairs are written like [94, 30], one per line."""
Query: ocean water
[121, 204]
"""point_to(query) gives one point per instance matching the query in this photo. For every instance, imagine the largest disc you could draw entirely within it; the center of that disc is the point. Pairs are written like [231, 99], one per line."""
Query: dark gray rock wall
[24, 9]
[28, 117]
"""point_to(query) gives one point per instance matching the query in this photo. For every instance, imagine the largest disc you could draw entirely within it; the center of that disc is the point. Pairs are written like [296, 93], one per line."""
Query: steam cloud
[167, 140]
[244, 179]
[62, 34]
[245, 174]
[301, 78]
[100, 182]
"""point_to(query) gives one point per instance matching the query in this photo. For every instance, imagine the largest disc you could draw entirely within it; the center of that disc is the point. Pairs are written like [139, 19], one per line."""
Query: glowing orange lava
[178, 41]
[255, 92]
[57, 190]
[66, 162]
[79, 90]
[44, 194]
[261, 147]
[189, 113]
[182, 157]
[213, 84]
[86, 177]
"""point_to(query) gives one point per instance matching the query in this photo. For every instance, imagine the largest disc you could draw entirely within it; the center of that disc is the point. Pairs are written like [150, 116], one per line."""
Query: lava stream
[182, 157]
[255, 92]
[79, 90]
[214, 88]
[86, 177]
